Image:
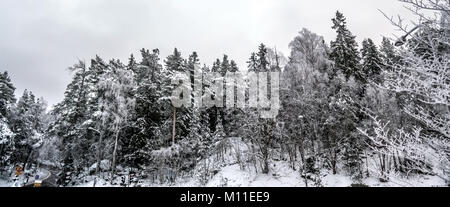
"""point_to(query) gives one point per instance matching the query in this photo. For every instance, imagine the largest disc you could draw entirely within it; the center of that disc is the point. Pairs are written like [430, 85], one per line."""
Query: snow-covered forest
[352, 114]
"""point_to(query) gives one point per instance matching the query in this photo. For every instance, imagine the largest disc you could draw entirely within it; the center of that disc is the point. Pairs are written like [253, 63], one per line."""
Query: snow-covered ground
[229, 173]
[282, 175]
[226, 171]
[23, 179]
[5, 183]
[233, 176]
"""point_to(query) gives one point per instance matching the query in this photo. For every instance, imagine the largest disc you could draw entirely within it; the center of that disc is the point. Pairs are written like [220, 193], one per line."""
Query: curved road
[46, 176]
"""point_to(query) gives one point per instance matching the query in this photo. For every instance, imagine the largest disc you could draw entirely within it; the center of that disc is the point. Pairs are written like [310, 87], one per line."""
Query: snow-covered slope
[233, 174]
[233, 169]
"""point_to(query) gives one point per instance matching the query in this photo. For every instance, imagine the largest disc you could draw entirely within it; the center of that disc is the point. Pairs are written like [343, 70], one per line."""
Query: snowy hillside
[352, 108]
[229, 173]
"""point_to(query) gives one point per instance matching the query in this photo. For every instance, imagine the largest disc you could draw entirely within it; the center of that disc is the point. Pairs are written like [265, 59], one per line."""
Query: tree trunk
[25, 162]
[174, 124]
[1, 154]
[334, 161]
[99, 152]
[395, 161]
[266, 160]
[113, 166]
[367, 164]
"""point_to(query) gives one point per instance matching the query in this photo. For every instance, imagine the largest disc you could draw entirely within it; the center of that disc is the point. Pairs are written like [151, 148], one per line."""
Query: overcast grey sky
[39, 39]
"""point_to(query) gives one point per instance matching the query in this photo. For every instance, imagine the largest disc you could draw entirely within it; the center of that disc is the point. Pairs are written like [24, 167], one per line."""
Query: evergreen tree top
[193, 59]
[344, 50]
[6, 88]
[175, 62]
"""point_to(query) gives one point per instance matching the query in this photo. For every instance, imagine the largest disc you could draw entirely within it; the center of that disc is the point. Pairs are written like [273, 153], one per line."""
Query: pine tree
[70, 115]
[179, 116]
[97, 68]
[73, 107]
[193, 66]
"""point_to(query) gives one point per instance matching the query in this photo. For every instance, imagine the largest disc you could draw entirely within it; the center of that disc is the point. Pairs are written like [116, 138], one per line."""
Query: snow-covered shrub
[170, 162]
[422, 73]
[48, 153]
[105, 165]
[407, 152]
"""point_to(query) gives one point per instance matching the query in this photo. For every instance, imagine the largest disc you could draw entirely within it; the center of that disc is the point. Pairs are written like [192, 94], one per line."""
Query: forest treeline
[343, 105]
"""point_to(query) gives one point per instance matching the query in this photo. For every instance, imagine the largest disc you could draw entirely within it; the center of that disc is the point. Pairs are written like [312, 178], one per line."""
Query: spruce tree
[345, 55]
[175, 62]
[6, 94]
[388, 54]
[144, 134]
[26, 127]
[371, 61]
[7, 101]
[252, 63]
[262, 64]
[344, 50]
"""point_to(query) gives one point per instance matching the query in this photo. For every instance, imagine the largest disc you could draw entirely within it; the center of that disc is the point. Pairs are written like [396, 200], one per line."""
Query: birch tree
[117, 102]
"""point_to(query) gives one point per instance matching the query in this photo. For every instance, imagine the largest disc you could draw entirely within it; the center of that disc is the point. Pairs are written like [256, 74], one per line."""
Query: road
[46, 176]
